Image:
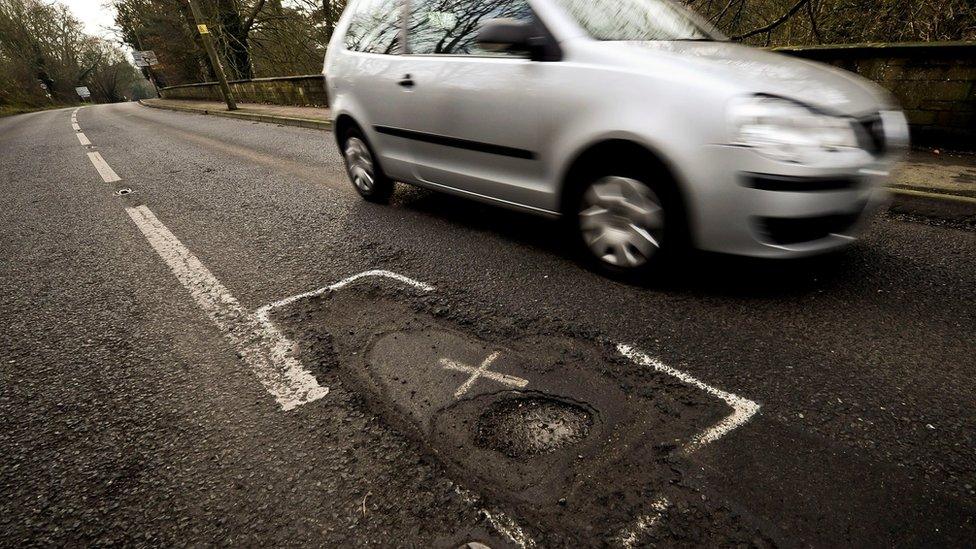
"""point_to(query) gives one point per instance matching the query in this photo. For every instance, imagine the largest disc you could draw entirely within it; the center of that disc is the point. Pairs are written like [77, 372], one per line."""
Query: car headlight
[787, 131]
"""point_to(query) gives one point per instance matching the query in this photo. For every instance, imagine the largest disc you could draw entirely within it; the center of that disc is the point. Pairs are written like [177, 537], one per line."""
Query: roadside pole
[212, 52]
[152, 76]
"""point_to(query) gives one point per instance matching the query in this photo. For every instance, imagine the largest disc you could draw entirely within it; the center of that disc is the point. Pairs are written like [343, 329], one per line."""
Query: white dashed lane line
[104, 170]
[259, 344]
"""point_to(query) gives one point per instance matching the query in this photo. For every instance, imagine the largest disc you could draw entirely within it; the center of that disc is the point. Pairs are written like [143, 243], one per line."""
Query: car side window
[375, 27]
[450, 27]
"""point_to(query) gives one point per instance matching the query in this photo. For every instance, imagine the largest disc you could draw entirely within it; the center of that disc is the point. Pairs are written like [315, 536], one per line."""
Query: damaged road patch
[534, 423]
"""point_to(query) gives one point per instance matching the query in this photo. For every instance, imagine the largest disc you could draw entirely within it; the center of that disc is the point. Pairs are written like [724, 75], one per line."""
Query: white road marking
[262, 347]
[83, 139]
[630, 537]
[479, 372]
[502, 523]
[104, 170]
[742, 408]
[742, 411]
[263, 311]
[75, 127]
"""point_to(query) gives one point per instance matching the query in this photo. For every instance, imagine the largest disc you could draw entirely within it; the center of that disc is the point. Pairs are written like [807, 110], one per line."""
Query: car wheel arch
[591, 155]
[343, 123]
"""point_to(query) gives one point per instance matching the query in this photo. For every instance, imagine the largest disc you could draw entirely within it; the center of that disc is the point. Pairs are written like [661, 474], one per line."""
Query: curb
[960, 209]
[933, 196]
[322, 125]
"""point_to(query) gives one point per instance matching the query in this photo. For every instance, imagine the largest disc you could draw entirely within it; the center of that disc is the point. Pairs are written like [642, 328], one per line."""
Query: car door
[471, 116]
[368, 75]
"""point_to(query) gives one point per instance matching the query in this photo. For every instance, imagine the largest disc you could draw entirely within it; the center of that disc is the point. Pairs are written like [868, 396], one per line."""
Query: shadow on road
[697, 273]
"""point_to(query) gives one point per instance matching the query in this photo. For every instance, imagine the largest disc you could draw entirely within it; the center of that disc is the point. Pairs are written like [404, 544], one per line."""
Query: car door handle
[407, 82]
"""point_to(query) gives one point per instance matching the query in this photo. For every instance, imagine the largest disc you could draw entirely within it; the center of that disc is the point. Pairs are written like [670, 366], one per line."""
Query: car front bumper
[745, 204]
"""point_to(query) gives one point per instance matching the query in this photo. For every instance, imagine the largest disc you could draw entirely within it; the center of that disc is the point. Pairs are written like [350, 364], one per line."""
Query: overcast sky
[94, 14]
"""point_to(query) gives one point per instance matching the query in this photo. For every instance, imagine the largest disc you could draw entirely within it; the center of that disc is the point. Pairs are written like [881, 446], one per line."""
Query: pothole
[530, 426]
[123, 192]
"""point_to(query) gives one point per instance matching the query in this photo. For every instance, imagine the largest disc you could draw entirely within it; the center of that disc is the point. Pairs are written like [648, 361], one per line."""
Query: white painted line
[83, 139]
[263, 311]
[479, 372]
[104, 170]
[502, 523]
[631, 536]
[742, 409]
[261, 347]
[75, 127]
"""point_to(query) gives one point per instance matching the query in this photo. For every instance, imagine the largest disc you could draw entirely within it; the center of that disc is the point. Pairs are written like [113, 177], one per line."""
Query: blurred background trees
[41, 43]
[254, 37]
[45, 54]
[289, 37]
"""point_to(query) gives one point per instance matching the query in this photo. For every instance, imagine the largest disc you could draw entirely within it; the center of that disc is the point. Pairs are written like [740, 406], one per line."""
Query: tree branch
[771, 26]
[249, 22]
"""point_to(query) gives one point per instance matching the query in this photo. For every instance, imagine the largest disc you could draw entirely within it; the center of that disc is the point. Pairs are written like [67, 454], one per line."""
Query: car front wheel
[622, 224]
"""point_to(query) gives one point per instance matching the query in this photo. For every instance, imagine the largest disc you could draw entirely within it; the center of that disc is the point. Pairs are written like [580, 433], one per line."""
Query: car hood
[763, 72]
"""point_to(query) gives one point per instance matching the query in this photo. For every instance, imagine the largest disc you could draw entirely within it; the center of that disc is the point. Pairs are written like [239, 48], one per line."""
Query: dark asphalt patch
[529, 421]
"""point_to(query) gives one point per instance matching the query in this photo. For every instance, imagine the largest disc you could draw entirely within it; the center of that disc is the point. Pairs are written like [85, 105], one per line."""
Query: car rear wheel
[364, 172]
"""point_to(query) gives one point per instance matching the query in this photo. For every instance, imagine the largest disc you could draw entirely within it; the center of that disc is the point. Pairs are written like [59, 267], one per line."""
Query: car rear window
[375, 27]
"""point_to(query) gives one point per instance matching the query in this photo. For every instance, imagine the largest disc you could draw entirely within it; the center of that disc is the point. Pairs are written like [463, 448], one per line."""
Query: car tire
[627, 222]
[364, 171]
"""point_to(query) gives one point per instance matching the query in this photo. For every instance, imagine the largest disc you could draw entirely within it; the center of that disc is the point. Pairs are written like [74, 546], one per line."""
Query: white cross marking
[479, 372]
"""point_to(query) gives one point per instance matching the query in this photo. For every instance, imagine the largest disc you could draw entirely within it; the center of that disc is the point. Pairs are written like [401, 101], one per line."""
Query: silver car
[632, 120]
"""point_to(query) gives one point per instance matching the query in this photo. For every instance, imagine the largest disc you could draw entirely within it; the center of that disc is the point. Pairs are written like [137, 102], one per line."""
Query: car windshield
[638, 20]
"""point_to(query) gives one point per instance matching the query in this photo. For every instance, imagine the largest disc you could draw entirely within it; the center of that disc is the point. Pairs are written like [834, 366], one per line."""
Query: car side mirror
[507, 35]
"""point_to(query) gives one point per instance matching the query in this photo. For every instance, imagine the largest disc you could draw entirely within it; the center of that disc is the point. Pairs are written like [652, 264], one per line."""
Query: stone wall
[286, 90]
[934, 82]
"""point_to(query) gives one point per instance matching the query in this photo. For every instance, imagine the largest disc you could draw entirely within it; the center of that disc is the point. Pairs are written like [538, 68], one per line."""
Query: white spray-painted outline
[644, 523]
[260, 345]
[284, 347]
[283, 351]
[481, 371]
[502, 523]
[743, 410]
[265, 310]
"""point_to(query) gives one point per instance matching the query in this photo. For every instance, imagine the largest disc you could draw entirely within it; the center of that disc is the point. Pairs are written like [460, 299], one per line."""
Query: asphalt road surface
[159, 387]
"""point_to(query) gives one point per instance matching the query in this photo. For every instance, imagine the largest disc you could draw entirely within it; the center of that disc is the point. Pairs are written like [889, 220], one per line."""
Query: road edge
[322, 125]
[953, 208]
[945, 206]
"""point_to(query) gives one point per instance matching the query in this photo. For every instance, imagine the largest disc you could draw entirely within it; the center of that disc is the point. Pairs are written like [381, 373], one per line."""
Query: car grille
[782, 230]
[784, 183]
